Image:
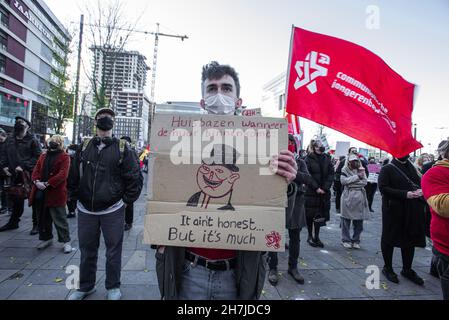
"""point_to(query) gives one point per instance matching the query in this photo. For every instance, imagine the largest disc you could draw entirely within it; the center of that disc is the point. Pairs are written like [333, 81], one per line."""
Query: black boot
[35, 230]
[390, 275]
[318, 243]
[9, 226]
[412, 276]
[311, 242]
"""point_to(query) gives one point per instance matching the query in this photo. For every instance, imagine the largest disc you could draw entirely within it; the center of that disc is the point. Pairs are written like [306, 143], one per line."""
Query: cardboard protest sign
[211, 184]
[342, 148]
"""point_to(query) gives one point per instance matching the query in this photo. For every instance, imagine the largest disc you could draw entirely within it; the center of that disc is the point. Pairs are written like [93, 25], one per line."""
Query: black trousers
[407, 256]
[293, 251]
[370, 192]
[71, 205]
[129, 214]
[90, 227]
[4, 198]
[442, 265]
[338, 191]
[17, 211]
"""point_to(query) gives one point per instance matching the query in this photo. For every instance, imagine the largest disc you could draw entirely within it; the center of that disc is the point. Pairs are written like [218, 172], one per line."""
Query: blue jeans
[346, 227]
[442, 264]
[200, 283]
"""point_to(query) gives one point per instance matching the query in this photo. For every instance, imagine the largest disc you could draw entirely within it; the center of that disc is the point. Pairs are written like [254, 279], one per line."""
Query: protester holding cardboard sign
[204, 273]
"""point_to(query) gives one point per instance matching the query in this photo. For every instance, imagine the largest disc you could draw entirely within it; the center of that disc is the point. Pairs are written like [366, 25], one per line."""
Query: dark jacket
[303, 178]
[2, 154]
[322, 171]
[249, 273]
[403, 220]
[107, 176]
[20, 152]
[71, 180]
[56, 192]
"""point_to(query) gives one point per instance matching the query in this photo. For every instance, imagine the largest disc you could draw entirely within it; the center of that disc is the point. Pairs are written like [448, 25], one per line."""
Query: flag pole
[288, 69]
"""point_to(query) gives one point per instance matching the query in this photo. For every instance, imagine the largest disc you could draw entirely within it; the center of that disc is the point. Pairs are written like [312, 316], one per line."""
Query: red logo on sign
[273, 239]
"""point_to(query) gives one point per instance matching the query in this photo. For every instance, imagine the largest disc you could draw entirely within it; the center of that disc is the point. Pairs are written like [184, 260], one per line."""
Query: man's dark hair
[215, 71]
[126, 138]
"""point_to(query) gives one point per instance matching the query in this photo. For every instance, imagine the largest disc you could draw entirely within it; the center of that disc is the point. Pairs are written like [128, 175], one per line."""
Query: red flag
[348, 88]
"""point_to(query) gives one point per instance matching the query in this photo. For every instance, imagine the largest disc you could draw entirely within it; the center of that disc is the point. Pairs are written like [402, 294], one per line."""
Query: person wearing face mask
[209, 274]
[4, 199]
[49, 194]
[71, 188]
[22, 150]
[318, 194]
[354, 203]
[108, 177]
[403, 218]
[435, 187]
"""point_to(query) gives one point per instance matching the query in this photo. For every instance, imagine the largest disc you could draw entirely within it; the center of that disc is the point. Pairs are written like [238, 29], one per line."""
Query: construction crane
[156, 34]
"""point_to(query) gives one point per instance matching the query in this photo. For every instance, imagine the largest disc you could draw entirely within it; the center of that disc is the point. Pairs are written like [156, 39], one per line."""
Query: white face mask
[220, 104]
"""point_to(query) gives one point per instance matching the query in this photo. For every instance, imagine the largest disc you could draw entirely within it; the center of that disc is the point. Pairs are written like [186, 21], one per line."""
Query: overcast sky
[253, 36]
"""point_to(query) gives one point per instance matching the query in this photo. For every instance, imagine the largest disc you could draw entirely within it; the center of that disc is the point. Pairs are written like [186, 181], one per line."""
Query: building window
[281, 102]
[2, 63]
[3, 40]
[4, 17]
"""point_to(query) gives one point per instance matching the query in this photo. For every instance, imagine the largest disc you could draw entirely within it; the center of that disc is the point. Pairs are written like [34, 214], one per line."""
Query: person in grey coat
[354, 202]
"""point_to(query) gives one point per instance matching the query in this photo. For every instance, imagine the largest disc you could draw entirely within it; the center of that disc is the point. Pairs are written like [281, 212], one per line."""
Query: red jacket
[56, 192]
[435, 187]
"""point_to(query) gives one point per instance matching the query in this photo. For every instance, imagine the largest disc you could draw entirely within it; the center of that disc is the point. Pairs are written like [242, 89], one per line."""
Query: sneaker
[295, 275]
[79, 295]
[67, 247]
[114, 294]
[273, 277]
[3, 210]
[412, 276]
[44, 244]
[356, 245]
[34, 231]
[346, 244]
[71, 215]
[128, 226]
[390, 275]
